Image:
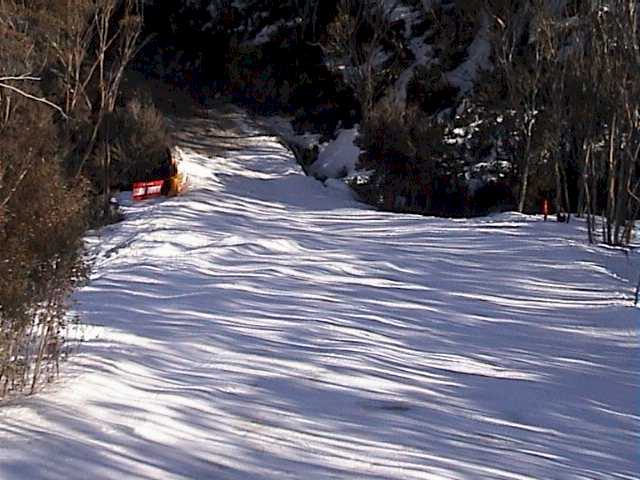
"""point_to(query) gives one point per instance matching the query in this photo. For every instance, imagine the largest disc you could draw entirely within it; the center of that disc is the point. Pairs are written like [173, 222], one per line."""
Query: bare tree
[70, 35]
[606, 60]
[114, 47]
[306, 18]
[551, 35]
[7, 83]
[355, 46]
[18, 59]
[520, 60]
[91, 43]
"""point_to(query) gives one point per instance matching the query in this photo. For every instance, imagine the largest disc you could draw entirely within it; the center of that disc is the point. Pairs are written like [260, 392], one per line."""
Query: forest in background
[549, 111]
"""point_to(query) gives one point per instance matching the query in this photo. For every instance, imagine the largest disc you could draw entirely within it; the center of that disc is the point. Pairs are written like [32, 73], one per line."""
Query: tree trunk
[525, 174]
[613, 177]
[559, 207]
[631, 222]
[588, 203]
[107, 180]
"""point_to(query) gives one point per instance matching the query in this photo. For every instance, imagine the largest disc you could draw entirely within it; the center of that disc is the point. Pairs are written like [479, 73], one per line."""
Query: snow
[339, 158]
[283, 127]
[266, 34]
[263, 326]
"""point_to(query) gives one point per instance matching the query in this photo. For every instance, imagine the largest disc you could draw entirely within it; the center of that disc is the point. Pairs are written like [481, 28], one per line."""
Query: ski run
[266, 326]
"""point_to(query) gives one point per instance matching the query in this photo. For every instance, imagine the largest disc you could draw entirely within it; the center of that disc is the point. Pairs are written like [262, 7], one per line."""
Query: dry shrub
[41, 224]
[430, 90]
[415, 170]
[170, 98]
[390, 153]
[255, 80]
[142, 143]
[43, 197]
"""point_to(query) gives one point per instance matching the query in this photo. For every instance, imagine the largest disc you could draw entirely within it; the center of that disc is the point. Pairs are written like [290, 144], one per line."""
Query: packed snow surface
[263, 326]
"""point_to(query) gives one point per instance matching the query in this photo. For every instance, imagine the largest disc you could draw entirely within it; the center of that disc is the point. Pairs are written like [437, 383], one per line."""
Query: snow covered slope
[266, 327]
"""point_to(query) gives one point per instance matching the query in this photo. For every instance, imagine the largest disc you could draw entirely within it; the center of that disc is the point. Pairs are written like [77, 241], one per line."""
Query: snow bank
[263, 327]
[339, 158]
[283, 127]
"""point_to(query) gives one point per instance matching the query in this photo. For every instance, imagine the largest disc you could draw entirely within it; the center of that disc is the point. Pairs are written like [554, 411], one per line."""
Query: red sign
[144, 190]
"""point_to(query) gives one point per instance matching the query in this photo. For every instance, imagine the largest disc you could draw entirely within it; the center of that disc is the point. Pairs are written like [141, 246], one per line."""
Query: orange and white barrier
[144, 190]
[171, 186]
[177, 182]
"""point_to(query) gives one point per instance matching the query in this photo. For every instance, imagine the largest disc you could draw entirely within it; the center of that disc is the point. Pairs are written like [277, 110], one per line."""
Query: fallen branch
[20, 78]
[33, 97]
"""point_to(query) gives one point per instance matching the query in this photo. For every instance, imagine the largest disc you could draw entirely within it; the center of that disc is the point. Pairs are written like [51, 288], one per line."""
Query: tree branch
[17, 184]
[34, 98]
[20, 78]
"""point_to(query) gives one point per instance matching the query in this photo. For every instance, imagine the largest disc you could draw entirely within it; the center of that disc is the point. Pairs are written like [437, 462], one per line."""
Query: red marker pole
[545, 209]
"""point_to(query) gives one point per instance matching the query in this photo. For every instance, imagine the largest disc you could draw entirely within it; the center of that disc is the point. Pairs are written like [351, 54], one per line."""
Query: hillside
[265, 326]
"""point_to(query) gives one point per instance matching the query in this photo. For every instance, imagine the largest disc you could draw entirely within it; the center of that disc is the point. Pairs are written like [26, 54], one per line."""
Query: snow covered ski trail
[264, 326]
